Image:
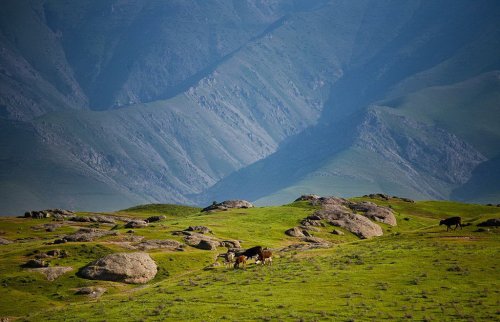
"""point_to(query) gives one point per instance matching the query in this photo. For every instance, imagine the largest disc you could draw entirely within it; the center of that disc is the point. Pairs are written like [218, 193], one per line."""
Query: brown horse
[242, 259]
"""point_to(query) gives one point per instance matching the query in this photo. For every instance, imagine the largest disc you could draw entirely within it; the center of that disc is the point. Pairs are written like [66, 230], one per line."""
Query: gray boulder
[4, 241]
[92, 292]
[202, 242]
[52, 273]
[307, 198]
[35, 263]
[136, 224]
[199, 229]
[295, 232]
[493, 222]
[338, 232]
[86, 235]
[155, 218]
[375, 212]
[357, 224]
[229, 204]
[135, 268]
[167, 244]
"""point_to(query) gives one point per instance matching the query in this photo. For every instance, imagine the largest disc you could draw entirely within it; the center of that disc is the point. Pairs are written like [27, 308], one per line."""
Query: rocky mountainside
[104, 104]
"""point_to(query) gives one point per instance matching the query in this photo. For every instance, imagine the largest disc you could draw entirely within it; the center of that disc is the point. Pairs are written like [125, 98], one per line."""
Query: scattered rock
[231, 244]
[40, 214]
[85, 235]
[295, 232]
[4, 241]
[159, 244]
[155, 218]
[314, 240]
[199, 229]
[202, 241]
[357, 224]
[312, 221]
[307, 198]
[338, 232]
[301, 247]
[228, 204]
[493, 222]
[375, 212]
[377, 196]
[52, 273]
[92, 292]
[136, 224]
[35, 263]
[122, 267]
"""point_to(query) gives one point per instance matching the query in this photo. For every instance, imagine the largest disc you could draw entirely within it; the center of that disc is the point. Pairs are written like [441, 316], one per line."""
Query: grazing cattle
[266, 257]
[240, 260]
[252, 252]
[457, 221]
[227, 257]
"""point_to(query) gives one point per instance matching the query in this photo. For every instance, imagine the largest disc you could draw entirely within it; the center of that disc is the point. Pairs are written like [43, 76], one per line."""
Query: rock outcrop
[92, 292]
[136, 224]
[4, 241]
[85, 235]
[52, 273]
[167, 244]
[228, 204]
[136, 268]
[155, 218]
[375, 212]
[357, 224]
[199, 229]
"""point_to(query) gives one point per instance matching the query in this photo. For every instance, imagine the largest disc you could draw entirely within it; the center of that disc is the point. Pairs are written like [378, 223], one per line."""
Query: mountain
[105, 104]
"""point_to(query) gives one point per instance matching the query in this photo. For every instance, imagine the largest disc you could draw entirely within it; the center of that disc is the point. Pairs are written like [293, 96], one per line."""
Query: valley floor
[417, 271]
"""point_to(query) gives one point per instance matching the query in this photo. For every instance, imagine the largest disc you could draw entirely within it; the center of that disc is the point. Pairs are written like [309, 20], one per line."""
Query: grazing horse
[266, 257]
[242, 259]
[457, 221]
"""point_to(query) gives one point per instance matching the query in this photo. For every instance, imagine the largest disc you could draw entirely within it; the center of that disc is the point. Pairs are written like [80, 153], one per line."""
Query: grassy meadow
[417, 271]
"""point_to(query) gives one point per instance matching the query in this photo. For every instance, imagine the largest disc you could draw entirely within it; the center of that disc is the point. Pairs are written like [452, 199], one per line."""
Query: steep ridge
[176, 96]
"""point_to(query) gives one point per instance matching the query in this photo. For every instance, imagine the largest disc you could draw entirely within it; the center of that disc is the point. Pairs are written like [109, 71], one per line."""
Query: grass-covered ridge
[416, 271]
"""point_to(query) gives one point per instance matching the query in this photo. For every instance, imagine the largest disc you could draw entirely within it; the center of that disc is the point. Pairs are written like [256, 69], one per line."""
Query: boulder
[35, 263]
[493, 222]
[52, 273]
[338, 232]
[136, 224]
[375, 212]
[155, 218]
[159, 244]
[357, 224]
[295, 232]
[228, 204]
[199, 229]
[85, 235]
[231, 244]
[314, 240]
[4, 241]
[307, 198]
[136, 268]
[202, 242]
[92, 292]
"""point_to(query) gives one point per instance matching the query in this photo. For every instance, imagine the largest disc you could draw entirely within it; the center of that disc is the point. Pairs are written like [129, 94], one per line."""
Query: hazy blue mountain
[104, 104]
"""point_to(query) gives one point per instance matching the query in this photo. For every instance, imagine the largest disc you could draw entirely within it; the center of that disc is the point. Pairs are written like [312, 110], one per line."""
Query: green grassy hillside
[416, 271]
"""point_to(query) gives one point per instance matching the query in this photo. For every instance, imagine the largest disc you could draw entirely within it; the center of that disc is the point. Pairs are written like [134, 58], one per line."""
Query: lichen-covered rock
[199, 229]
[136, 224]
[229, 204]
[4, 241]
[357, 224]
[159, 244]
[52, 273]
[202, 242]
[307, 198]
[155, 218]
[295, 232]
[92, 292]
[375, 212]
[136, 268]
[86, 235]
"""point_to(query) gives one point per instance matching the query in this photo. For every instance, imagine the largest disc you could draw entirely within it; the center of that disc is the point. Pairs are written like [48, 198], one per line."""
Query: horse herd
[239, 259]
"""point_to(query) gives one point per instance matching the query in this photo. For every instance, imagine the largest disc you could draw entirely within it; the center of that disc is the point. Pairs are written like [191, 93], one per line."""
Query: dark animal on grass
[240, 260]
[457, 221]
[265, 257]
[252, 252]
